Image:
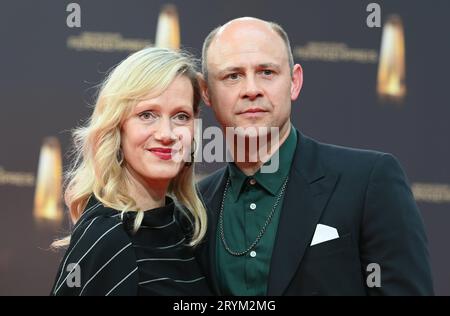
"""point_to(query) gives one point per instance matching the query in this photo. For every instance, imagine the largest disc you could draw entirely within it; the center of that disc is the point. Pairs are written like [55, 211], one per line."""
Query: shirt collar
[271, 182]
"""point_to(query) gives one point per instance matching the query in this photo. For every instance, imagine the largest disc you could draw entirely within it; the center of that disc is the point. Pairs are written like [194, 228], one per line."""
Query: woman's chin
[162, 173]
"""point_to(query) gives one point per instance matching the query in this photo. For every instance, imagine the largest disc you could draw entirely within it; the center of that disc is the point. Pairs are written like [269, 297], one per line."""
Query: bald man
[329, 220]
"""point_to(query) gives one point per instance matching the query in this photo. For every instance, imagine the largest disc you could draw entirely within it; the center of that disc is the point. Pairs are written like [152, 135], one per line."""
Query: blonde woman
[131, 192]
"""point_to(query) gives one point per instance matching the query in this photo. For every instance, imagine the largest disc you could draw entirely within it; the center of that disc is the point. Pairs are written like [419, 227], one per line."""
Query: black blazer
[366, 197]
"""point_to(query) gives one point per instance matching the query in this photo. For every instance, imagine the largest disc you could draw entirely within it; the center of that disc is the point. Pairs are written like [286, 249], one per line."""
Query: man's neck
[249, 167]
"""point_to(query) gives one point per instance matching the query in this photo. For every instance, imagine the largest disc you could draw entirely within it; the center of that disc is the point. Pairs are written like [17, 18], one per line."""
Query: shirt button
[253, 254]
[252, 181]
[253, 206]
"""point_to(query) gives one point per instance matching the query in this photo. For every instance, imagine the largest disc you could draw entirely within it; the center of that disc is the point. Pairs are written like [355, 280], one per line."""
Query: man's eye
[233, 76]
[267, 72]
[147, 115]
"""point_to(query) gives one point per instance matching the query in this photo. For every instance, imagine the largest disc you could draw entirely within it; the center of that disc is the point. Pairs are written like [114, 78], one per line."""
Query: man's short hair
[275, 26]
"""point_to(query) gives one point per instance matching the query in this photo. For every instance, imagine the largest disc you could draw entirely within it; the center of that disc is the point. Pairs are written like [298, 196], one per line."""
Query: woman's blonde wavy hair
[97, 168]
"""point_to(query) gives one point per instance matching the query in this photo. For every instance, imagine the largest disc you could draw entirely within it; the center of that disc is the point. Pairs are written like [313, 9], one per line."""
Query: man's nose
[251, 89]
[165, 133]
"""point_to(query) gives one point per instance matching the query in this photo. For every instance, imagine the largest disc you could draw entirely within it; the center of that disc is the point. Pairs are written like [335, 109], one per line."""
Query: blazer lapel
[308, 191]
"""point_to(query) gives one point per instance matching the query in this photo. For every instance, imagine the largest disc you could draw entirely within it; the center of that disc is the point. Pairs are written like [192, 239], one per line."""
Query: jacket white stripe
[99, 270]
[96, 242]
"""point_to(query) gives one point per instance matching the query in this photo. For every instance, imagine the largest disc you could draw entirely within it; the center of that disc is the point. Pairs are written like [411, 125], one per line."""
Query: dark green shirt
[248, 203]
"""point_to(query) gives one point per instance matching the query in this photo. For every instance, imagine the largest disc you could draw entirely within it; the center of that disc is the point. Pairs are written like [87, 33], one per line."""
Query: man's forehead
[247, 45]
[247, 55]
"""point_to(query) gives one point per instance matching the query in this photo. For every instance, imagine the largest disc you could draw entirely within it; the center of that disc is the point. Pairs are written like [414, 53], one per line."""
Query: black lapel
[213, 198]
[308, 191]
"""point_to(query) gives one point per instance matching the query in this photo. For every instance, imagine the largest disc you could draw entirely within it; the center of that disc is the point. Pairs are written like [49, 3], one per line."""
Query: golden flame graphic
[168, 28]
[47, 199]
[391, 71]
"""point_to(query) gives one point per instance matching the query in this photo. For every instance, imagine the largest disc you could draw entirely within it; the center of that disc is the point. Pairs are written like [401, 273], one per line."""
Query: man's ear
[204, 89]
[297, 82]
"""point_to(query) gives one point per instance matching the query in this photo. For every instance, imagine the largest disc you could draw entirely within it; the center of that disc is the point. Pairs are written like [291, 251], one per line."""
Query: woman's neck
[147, 194]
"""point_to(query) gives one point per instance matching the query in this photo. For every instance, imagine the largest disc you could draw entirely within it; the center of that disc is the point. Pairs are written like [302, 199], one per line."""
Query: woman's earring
[189, 163]
[120, 157]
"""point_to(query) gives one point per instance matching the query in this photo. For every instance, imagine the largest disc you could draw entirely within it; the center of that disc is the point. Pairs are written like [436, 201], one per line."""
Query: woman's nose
[165, 133]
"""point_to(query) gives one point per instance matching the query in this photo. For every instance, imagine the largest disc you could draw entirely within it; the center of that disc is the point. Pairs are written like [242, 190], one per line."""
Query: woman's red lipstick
[162, 153]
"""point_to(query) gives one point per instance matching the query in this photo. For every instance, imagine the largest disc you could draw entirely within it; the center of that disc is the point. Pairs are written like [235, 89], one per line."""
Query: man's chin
[252, 128]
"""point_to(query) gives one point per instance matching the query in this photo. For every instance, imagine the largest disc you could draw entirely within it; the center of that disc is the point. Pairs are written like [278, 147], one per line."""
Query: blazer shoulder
[343, 158]
[349, 152]
[101, 250]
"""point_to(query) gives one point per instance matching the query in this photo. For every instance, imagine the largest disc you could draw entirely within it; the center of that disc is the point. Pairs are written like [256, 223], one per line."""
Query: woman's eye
[182, 117]
[147, 115]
